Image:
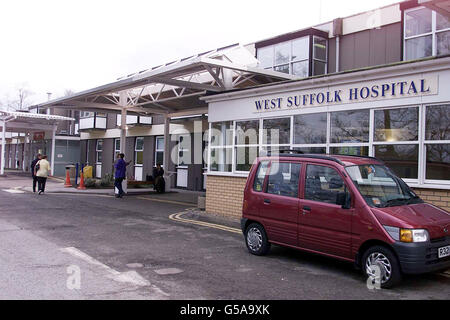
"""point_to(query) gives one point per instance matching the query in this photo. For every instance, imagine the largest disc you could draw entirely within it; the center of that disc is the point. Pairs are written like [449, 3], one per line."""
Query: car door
[324, 225]
[280, 202]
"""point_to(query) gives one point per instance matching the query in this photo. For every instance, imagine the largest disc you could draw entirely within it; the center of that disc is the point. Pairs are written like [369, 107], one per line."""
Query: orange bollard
[82, 186]
[67, 184]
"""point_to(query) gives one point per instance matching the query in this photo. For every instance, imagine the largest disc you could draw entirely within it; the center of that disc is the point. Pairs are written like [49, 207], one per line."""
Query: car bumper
[243, 223]
[416, 258]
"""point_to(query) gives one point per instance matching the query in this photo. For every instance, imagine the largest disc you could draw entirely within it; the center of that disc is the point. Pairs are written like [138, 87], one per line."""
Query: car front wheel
[382, 267]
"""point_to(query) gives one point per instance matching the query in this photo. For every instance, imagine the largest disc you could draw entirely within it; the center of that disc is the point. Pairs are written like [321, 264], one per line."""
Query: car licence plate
[444, 252]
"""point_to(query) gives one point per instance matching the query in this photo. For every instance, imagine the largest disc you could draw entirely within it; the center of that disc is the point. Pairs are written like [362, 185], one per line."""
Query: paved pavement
[142, 247]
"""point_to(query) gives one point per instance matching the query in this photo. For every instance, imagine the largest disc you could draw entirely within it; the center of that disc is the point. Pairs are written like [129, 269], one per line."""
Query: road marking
[168, 201]
[131, 277]
[13, 191]
[168, 271]
[177, 217]
[80, 193]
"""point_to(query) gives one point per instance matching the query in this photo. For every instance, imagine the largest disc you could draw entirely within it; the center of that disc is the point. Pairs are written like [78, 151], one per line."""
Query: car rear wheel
[382, 267]
[256, 239]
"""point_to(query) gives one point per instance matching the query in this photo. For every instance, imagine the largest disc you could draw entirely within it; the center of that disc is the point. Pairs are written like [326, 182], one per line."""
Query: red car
[347, 207]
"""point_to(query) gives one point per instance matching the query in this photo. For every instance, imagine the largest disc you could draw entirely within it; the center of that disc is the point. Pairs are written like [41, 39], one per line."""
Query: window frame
[433, 32]
[310, 55]
[421, 180]
[157, 150]
[98, 150]
[304, 177]
[300, 175]
[136, 150]
[424, 144]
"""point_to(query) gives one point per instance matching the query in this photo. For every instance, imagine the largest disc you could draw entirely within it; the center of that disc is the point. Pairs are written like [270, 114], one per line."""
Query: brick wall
[438, 197]
[224, 195]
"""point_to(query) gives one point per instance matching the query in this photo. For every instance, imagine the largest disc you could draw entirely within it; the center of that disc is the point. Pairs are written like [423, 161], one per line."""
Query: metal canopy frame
[25, 122]
[172, 89]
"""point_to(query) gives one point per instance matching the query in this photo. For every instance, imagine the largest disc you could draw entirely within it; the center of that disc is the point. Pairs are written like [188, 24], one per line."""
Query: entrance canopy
[173, 89]
[25, 122]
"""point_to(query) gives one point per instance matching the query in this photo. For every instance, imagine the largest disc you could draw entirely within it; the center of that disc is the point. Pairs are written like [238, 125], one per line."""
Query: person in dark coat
[120, 173]
[158, 178]
[33, 165]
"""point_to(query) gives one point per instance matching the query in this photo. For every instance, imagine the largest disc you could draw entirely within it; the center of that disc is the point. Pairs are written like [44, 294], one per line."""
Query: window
[247, 140]
[413, 141]
[86, 114]
[245, 156]
[221, 159]
[437, 142]
[396, 124]
[159, 151]
[293, 57]
[116, 147]
[350, 126]
[139, 151]
[184, 155]
[258, 184]
[319, 56]
[221, 146]
[99, 150]
[426, 33]
[323, 184]
[398, 131]
[402, 159]
[283, 179]
[310, 128]
[277, 131]
[379, 187]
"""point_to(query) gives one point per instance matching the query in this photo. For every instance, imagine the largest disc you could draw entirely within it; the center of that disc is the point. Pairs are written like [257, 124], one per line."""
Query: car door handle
[306, 210]
[266, 200]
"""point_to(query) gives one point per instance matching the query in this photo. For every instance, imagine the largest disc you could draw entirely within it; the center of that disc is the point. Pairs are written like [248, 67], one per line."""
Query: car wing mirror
[344, 200]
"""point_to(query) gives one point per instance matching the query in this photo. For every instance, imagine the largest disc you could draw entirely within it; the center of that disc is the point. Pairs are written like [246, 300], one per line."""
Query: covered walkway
[173, 89]
[27, 124]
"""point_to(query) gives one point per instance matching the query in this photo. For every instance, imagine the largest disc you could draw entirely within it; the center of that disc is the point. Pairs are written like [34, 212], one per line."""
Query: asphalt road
[129, 249]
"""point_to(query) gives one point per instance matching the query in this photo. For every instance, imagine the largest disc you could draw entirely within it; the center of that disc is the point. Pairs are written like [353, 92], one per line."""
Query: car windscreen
[380, 187]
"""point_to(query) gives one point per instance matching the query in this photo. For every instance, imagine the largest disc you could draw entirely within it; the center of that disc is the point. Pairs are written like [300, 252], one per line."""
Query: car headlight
[407, 235]
[413, 235]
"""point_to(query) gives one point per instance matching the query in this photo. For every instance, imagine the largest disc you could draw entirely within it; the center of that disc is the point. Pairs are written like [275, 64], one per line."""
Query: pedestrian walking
[158, 179]
[33, 174]
[120, 173]
[42, 171]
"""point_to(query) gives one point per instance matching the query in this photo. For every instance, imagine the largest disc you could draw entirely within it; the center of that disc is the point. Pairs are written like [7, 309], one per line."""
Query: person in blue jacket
[120, 173]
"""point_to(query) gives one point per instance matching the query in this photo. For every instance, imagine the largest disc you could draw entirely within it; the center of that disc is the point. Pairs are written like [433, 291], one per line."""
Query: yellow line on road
[177, 217]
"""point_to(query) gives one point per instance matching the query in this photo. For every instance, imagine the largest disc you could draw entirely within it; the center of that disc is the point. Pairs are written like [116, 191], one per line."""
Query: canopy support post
[166, 151]
[2, 170]
[52, 163]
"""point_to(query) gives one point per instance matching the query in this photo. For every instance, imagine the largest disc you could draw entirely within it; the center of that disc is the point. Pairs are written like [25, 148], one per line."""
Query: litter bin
[87, 172]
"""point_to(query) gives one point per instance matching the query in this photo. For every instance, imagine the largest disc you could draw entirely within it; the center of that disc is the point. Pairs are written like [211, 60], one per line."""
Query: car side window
[323, 184]
[283, 179]
[260, 175]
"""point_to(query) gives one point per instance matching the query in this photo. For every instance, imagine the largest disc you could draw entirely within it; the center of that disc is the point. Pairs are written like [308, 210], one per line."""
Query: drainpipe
[2, 170]
[337, 32]
[337, 53]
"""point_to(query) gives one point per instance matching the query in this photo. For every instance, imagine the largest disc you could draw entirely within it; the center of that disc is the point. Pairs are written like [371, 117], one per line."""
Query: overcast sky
[54, 45]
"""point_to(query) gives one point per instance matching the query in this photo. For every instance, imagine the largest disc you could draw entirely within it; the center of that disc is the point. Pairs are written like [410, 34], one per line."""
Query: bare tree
[21, 100]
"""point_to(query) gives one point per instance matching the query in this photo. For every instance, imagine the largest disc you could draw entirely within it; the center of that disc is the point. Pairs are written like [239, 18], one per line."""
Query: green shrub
[89, 183]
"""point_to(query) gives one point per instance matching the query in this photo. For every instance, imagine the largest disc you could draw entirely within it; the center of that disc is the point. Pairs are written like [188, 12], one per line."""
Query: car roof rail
[300, 154]
[362, 156]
